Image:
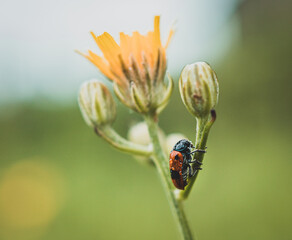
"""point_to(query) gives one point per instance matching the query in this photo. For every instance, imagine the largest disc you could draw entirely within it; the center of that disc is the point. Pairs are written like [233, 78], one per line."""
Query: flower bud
[139, 134]
[199, 89]
[96, 104]
[171, 140]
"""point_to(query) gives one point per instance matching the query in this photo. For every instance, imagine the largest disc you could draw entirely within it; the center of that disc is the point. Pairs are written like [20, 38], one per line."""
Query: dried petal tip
[199, 89]
[96, 104]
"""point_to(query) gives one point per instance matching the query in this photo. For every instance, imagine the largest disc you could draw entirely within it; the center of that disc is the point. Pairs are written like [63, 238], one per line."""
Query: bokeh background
[58, 180]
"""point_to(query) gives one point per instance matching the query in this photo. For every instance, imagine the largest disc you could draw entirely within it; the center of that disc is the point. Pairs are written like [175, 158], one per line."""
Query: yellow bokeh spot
[30, 195]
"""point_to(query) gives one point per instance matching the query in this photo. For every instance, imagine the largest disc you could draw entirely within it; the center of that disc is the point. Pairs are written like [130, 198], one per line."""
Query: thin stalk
[122, 144]
[160, 162]
[203, 129]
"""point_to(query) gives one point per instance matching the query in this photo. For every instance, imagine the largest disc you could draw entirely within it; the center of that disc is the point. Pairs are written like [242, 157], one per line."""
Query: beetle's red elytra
[179, 163]
[175, 165]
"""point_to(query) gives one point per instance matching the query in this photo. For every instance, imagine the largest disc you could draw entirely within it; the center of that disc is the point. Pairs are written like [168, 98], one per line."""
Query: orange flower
[137, 67]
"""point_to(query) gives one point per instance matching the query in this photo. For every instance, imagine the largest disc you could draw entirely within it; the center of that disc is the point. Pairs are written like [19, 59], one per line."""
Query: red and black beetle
[179, 163]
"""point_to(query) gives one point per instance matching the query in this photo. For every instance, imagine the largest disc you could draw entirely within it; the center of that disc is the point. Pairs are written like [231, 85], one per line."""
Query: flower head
[199, 88]
[137, 68]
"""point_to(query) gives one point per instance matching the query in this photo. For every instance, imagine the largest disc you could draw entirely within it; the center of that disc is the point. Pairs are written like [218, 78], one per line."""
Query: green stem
[113, 138]
[161, 164]
[203, 129]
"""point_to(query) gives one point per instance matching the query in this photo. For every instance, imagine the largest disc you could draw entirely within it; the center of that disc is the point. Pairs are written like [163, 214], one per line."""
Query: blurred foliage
[243, 192]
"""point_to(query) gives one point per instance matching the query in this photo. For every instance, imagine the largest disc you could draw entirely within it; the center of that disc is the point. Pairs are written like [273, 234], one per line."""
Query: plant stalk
[202, 133]
[162, 167]
[122, 144]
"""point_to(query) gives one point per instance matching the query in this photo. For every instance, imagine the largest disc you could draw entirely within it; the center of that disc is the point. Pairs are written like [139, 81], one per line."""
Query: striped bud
[96, 104]
[199, 89]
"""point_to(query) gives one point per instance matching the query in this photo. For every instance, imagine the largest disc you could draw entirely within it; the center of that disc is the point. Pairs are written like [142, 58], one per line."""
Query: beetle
[179, 163]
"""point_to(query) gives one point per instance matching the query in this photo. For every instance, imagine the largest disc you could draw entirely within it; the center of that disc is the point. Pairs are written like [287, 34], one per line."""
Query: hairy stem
[161, 164]
[114, 139]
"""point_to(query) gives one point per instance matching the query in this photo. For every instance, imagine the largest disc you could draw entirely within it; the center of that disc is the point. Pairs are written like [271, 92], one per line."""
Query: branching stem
[114, 139]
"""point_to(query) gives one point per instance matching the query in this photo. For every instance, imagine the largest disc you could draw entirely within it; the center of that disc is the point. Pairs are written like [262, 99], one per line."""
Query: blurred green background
[58, 180]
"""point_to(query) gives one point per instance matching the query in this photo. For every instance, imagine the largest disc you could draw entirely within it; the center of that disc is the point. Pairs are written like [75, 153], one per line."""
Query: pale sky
[38, 38]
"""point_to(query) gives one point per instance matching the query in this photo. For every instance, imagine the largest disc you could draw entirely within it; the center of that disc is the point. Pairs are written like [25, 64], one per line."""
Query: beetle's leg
[196, 161]
[199, 150]
[190, 171]
[197, 164]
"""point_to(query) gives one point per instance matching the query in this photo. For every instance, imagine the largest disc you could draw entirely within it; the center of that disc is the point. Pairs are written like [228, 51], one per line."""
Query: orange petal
[157, 42]
[101, 64]
[138, 42]
[110, 50]
[169, 38]
[150, 55]
[125, 42]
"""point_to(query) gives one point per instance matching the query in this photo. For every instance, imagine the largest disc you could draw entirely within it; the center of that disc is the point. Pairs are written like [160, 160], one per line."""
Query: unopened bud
[139, 134]
[171, 140]
[199, 89]
[97, 104]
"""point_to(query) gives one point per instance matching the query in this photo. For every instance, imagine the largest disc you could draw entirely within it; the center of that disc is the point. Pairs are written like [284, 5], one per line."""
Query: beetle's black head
[183, 145]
